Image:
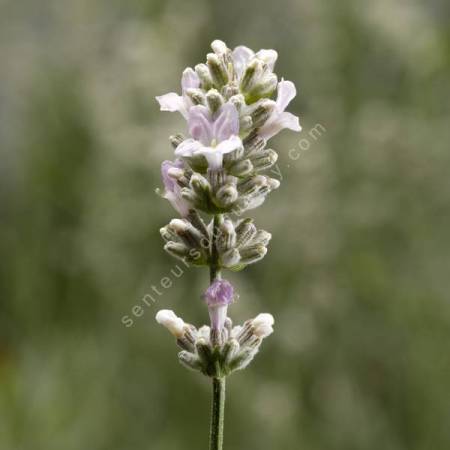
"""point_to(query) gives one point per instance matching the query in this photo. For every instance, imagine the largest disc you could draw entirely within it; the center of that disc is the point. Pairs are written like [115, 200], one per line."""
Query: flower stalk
[217, 414]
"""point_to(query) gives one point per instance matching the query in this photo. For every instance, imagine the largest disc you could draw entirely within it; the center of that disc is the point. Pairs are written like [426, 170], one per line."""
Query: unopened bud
[251, 74]
[176, 140]
[219, 47]
[214, 99]
[227, 236]
[262, 325]
[230, 258]
[197, 96]
[252, 253]
[189, 360]
[217, 70]
[204, 75]
[245, 232]
[266, 160]
[200, 184]
[262, 112]
[226, 195]
[265, 87]
[168, 319]
[241, 168]
[177, 249]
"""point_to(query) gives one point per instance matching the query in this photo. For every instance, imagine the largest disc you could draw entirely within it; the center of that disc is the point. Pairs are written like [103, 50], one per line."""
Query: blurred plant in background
[360, 228]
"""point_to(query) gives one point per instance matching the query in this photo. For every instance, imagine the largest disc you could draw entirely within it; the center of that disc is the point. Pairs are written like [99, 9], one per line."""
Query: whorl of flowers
[233, 104]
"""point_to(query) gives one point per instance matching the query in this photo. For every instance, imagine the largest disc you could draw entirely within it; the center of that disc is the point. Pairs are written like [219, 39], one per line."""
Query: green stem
[217, 414]
[218, 400]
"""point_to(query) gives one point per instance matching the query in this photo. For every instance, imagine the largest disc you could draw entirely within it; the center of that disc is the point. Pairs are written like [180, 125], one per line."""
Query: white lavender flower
[172, 192]
[280, 119]
[181, 103]
[212, 135]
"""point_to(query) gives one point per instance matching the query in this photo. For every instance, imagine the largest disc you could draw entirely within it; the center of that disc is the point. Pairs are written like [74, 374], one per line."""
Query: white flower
[280, 119]
[172, 192]
[211, 137]
[168, 319]
[262, 325]
[182, 103]
[243, 55]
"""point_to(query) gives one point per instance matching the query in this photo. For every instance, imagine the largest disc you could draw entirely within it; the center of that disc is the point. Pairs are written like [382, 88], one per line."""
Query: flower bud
[168, 319]
[217, 70]
[262, 112]
[262, 237]
[268, 56]
[200, 185]
[266, 159]
[230, 258]
[204, 75]
[219, 47]
[226, 196]
[251, 74]
[176, 140]
[241, 168]
[238, 101]
[253, 253]
[227, 236]
[177, 249]
[245, 232]
[189, 360]
[214, 99]
[264, 88]
[262, 325]
[197, 96]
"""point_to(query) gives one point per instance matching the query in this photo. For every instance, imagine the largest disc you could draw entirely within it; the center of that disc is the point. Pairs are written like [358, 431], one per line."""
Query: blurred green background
[357, 274]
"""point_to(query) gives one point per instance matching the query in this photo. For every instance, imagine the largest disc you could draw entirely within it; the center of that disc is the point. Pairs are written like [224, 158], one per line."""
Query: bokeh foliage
[357, 272]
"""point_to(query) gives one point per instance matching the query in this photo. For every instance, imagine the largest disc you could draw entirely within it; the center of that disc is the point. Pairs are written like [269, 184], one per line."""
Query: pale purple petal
[219, 293]
[268, 56]
[189, 80]
[212, 156]
[227, 122]
[172, 191]
[200, 124]
[188, 147]
[229, 145]
[217, 316]
[286, 92]
[172, 102]
[277, 122]
[289, 121]
[241, 57]
[169, 183]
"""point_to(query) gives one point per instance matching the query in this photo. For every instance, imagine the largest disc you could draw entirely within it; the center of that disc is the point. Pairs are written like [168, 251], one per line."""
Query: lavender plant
[216, 177]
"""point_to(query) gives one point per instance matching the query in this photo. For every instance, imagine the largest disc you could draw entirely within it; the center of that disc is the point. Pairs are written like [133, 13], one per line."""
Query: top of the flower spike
[243, 78]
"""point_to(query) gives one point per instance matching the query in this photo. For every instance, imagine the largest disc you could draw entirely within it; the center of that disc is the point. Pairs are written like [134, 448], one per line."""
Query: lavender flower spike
[211, 137]
[181, 103]
[280, 119]
[230, 107]
[218, 296]
[172, 191]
